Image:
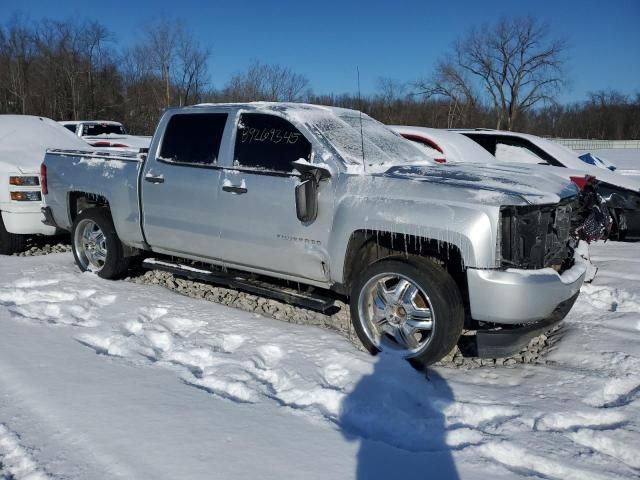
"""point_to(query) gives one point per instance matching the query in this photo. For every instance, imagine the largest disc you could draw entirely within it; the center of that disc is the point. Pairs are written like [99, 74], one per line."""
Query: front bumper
[504, 342]
[516, 297]
[25, 220]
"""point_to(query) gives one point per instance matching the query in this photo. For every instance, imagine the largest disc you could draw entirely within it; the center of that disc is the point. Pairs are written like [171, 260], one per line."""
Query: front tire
[96, 246]
[10, 242]
[411, 307]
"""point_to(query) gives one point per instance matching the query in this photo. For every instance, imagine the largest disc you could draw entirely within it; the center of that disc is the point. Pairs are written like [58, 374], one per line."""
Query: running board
[313, 301]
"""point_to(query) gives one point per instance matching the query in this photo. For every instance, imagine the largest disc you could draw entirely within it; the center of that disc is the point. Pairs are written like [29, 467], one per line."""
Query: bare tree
[94, 38]
[171, 52]
[158, 50]
[390, 95]
[17, 45]
[514, 64]
[191, 74]
[168, 66]
[269, 82]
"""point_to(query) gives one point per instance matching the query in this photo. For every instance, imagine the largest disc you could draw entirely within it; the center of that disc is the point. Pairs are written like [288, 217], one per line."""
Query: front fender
[471, 229]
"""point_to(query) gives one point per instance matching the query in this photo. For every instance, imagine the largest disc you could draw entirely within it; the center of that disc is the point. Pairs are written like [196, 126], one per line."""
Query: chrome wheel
[396, 313]
[90, 245]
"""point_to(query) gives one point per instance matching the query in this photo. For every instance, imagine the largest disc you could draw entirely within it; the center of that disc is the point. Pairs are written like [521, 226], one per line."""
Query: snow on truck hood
[532, 187]
[24, 140]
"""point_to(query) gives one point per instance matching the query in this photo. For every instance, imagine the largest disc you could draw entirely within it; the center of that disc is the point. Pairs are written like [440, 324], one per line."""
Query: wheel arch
[79, 201]
[368, 246]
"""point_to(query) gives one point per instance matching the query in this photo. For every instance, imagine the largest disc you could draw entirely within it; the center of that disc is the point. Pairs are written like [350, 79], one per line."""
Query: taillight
[102, 143]
[581, 182]
[440, 160]
[44, 188]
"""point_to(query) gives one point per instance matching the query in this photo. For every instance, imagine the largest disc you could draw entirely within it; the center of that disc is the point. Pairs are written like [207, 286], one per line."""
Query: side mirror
[307, 199]
[304, 167]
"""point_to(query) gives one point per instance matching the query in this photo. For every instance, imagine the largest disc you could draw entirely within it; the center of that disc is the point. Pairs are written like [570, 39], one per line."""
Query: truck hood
[24, 140]
[533, 186]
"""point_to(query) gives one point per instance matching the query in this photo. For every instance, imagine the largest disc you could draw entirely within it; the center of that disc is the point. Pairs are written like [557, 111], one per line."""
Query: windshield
[94, 129]
[381, 145]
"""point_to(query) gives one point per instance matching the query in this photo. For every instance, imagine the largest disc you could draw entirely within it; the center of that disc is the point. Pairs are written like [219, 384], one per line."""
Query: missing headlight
[536, 236]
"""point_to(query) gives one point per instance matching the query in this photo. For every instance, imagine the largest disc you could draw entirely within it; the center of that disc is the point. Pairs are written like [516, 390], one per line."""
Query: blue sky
[326, 40]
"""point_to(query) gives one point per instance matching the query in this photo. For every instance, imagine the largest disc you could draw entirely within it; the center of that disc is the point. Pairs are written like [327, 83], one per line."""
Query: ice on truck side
[267, 197]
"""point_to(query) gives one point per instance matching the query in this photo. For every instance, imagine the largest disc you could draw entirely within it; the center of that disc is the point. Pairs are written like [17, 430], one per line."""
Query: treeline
[69, 70]
[605, 115]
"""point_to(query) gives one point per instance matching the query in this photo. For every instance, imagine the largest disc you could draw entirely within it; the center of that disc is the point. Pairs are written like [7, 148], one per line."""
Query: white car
[107, 134]
[621, 193]
[23, 142]
[445, 146]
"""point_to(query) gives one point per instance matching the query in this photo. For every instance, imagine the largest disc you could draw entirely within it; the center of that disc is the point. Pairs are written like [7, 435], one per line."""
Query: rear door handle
[154, 178]
[234, 189]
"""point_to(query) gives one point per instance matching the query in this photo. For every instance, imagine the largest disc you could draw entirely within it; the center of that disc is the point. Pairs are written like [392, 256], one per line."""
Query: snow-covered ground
[112, 380]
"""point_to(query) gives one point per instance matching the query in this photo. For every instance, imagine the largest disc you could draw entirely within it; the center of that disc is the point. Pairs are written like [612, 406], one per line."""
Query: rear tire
[96, 246]
[411, 307]
[10, 242]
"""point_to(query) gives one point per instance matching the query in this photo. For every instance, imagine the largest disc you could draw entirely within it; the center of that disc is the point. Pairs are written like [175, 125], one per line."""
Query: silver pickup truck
[271, 196]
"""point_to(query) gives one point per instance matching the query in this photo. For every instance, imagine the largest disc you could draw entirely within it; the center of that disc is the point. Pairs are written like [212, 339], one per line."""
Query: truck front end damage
[535, 237]
[539, 274]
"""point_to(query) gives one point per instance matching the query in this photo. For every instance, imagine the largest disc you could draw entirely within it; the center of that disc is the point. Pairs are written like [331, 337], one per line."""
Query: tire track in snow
[49, 301]
[522, 461]
[16, 463]
[597, 429]
[246, 369]
[622, 446]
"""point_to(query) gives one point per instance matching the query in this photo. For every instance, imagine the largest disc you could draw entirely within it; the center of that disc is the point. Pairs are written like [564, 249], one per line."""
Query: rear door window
[268, 142]
[193, 138]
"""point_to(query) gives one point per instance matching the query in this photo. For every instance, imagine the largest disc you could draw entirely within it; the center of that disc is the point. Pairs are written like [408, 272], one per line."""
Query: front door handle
[234, 189]
[154, 178]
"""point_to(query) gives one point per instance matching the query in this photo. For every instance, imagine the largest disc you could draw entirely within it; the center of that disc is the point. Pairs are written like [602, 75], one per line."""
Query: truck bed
[114, 176]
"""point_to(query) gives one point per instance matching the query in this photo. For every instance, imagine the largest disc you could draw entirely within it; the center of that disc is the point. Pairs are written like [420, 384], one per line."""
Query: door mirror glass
[307, 200]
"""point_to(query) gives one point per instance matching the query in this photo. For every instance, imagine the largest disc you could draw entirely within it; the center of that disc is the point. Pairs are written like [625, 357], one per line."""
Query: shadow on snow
[397, 415]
